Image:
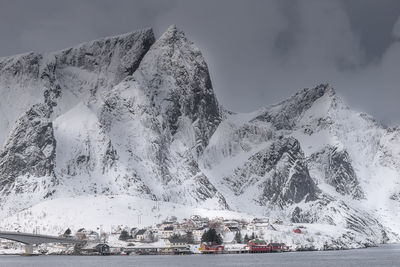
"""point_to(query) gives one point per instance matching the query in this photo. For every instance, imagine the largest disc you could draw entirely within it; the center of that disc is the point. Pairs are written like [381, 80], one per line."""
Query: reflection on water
[386, 255]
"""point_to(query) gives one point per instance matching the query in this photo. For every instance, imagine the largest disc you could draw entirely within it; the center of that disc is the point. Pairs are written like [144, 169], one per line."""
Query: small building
[167, 224]
[103, 249]
[187, 225]
[260, 220]
[284, 248]
[199, 221]
[166, 232]
[231, 223]
[178, 245]
[81, 234]
[93, 236]
[257, 226]
[99, 248]
[275, 247]
[209, 248]
[233, 229]
[251, 227]
[297, 231]
[140, 235]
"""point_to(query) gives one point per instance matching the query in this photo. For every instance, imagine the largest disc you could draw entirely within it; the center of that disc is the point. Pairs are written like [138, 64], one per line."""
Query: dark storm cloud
[259, 52]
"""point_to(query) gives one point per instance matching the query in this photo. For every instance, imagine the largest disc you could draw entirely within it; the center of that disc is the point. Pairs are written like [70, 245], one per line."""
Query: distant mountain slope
[135, 116]
[309, 159]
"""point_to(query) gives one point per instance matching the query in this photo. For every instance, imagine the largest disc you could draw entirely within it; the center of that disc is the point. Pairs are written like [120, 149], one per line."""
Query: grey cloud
[396, 29]
[259, 52]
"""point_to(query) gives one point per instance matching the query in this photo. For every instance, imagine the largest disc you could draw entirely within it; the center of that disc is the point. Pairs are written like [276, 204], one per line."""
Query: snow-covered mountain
[137, 117]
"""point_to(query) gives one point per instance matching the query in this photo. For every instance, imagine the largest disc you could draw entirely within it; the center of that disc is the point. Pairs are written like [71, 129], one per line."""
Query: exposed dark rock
[285, 117]
[180, 85]
[280, 171]
[338, 171]
[30, 148]
[118, 56]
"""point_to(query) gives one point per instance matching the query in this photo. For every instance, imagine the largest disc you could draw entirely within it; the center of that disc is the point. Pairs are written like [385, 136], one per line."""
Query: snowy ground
[107, 213]
[103, 212]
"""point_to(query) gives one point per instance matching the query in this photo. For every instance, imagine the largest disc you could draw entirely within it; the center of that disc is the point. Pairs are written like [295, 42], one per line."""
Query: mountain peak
[172, 35]
[284, 114]
[172, 28]
[175, 76]
[312, 94]
[105, 41]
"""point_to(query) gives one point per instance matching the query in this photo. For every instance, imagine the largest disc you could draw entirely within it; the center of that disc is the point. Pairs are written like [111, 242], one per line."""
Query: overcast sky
[258, 52]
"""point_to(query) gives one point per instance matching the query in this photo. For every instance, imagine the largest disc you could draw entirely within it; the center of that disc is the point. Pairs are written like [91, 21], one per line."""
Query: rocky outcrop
[29, 150]
[284, 115]
[338, 171]
[113, 58]
[280, 173]
[175, 78]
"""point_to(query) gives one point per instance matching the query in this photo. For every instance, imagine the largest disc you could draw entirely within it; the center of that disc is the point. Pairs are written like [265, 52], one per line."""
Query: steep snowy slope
[312, 157]
[121, 115]
[74, 74]
[18, 84]
[137, 117]
[27, 161]
[169, 101]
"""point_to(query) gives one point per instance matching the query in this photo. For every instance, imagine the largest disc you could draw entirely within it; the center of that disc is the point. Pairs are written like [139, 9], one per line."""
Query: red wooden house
[258, 246]
[207, 247]
[297, 231]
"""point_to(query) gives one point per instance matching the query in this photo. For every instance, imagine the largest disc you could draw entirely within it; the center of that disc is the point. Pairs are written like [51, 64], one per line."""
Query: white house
[166, 232]
[141, 235]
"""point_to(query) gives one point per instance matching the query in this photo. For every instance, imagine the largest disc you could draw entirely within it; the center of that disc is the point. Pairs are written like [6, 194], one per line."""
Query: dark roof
[258, 241]
[141, 232]
[212, 244]
[275, 244]
[234, 229]
[176, 240]
[169, 228]
[102, 245]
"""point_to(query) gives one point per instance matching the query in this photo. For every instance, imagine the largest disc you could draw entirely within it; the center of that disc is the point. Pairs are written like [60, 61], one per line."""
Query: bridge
[33, 239]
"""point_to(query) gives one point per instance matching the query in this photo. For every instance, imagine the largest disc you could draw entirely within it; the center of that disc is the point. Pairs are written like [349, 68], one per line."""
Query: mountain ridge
[132, 115]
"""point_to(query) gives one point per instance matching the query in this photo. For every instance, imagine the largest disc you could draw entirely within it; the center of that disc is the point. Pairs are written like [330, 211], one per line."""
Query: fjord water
[385, 255]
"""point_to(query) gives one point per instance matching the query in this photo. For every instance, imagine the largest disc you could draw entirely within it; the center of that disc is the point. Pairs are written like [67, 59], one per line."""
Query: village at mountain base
[195, 235]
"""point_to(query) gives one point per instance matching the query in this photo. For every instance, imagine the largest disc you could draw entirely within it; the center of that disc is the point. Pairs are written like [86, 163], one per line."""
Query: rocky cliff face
[30, 149]
[175, 78]
[337, 171]
[132, 115]
[283, 116]
[279, 172]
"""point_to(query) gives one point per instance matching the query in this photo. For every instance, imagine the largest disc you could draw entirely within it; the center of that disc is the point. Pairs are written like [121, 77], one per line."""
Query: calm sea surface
[386, 255]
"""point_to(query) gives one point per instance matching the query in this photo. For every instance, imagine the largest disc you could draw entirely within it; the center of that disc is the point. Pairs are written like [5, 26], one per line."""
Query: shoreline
[224, 253]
